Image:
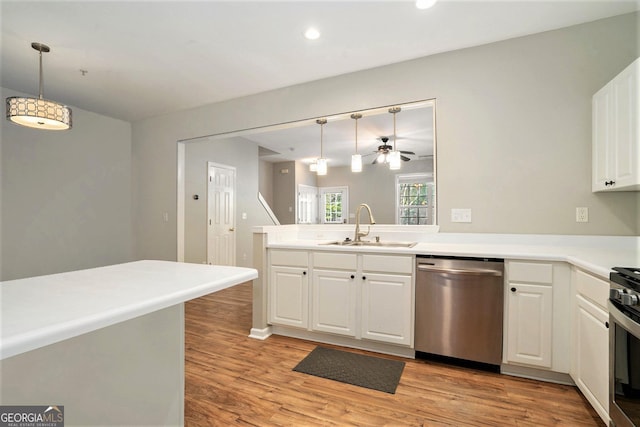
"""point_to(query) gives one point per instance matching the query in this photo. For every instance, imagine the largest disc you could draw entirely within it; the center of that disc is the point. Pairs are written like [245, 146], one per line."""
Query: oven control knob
[629, 299]
[615, 294]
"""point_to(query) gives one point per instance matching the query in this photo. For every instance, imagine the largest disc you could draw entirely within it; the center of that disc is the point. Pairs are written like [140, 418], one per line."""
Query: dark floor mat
[358, 369]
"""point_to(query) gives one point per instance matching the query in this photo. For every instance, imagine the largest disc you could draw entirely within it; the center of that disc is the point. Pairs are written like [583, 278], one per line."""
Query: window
[415, 199]
[334, 205]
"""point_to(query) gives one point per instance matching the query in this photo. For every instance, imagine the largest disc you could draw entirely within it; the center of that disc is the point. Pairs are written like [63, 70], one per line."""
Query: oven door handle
[623, 320]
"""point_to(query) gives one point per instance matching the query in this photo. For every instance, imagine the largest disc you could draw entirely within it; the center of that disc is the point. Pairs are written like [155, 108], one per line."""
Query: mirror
[290, 188]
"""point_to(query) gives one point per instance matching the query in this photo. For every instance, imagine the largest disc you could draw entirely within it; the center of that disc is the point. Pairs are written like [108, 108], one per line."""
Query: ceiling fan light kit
[38, 113]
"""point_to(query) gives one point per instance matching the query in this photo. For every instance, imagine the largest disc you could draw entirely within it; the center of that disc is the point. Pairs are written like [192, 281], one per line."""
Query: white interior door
[307, 204]
[221, 236]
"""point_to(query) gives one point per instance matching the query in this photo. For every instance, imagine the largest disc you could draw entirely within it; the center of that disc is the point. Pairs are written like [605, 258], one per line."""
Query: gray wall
[266, 181]
[375, 186]
[513, 131]
[65, 196]
[236, 152]
[284, 196]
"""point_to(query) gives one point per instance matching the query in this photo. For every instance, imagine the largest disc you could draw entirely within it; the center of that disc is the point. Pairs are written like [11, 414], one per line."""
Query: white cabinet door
[616, 138]
[289, 296]
[529, 333]
[386, 308]
[591, 357]
[334, 302]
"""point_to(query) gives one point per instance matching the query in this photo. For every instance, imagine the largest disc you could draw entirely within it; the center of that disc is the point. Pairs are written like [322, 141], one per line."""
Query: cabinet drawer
[342, 261]
[388, 263]
[530, 272]
[292, 258]
[592, 288]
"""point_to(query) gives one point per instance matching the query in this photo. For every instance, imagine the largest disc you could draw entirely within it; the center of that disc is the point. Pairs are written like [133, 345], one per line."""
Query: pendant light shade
[356, 159]
[322, 166]
[38, 113]
[394, 156]
[321, 162]
[313, 167]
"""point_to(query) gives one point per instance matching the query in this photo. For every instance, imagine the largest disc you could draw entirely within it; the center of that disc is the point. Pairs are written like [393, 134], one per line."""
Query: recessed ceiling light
[425, 4]
[312, 33]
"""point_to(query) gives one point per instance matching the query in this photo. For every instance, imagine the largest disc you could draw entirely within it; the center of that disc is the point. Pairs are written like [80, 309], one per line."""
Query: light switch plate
[460, 215]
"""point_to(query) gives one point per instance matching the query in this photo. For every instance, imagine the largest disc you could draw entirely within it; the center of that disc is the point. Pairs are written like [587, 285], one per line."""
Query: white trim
[260, 334]
[267, 208]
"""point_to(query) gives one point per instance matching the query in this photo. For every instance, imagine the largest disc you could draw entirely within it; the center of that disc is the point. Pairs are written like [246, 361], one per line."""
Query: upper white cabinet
[616, 136]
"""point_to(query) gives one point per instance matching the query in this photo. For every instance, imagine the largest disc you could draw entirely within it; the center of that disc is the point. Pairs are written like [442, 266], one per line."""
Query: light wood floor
[235, 380]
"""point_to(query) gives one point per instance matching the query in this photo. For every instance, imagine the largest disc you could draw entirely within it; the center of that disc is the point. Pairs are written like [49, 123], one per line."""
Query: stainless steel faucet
[371, 221]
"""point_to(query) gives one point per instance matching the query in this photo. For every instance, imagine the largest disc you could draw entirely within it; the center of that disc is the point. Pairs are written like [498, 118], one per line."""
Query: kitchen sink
[374, 244]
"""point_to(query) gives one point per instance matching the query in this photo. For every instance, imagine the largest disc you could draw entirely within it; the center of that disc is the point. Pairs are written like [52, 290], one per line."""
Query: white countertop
[595, 254]
[43, 310]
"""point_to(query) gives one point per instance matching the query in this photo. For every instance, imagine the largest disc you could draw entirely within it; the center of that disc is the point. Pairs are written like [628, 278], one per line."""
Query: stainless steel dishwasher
[459, 305]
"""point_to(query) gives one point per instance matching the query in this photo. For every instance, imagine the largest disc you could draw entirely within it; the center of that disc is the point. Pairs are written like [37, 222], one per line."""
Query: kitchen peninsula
[107, 343]
[555, 291]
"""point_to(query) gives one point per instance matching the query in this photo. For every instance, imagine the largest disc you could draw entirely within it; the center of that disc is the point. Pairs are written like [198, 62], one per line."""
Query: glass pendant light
[321, 162]
[313, 167]
[394, 156]
[38, 113]
[356, 159]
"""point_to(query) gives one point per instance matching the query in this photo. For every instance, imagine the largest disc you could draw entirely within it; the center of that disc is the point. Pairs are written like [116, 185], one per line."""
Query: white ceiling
[144, 58]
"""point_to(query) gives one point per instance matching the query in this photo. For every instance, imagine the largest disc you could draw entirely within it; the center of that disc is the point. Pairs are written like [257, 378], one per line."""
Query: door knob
[232, 229]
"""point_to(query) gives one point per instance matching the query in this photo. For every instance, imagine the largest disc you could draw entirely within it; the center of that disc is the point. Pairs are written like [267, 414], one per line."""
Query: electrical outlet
[460, 215]
[582, 214]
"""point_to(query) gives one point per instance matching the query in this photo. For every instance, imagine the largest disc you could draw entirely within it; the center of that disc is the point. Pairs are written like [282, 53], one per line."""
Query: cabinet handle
[304, 273]
[609, 183]
[353, 276]
[513, 289]
[606, 325]
[364, 277]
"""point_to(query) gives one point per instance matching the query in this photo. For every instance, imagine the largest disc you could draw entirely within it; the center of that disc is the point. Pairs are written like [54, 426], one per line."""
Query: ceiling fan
[384, 149]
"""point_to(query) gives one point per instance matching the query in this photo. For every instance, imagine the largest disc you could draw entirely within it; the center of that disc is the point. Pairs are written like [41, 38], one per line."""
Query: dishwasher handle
[465, 271]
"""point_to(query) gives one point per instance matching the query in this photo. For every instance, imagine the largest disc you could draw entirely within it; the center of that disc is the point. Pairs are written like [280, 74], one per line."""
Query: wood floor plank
[231, 379]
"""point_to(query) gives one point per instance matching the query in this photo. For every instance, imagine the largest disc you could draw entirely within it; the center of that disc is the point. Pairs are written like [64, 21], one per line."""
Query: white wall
[236, 152]
[513, 131]
[65, 196]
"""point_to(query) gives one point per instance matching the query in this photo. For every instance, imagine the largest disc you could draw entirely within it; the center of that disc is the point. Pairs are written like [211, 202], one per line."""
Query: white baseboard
[260, 334]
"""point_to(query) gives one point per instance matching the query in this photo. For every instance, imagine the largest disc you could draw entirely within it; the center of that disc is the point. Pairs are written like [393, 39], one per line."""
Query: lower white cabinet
[590, 364]
[334, 301]
[386, 308]
[362, 296]
[537, 321]
[288, 299]
[529, 332]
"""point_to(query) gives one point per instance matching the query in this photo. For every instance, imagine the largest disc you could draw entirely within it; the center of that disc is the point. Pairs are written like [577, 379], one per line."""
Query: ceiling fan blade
[405, 158]
[374, 161]
[408, 152]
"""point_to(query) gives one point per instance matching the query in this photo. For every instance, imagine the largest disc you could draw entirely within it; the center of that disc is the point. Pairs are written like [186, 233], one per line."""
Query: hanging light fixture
[321, 162]
[313, 167]
[394, 156]
[356, 159]
[38, 112]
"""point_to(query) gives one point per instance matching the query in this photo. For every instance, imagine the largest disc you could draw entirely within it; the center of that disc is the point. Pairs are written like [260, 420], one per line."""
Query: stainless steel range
[624, 347]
